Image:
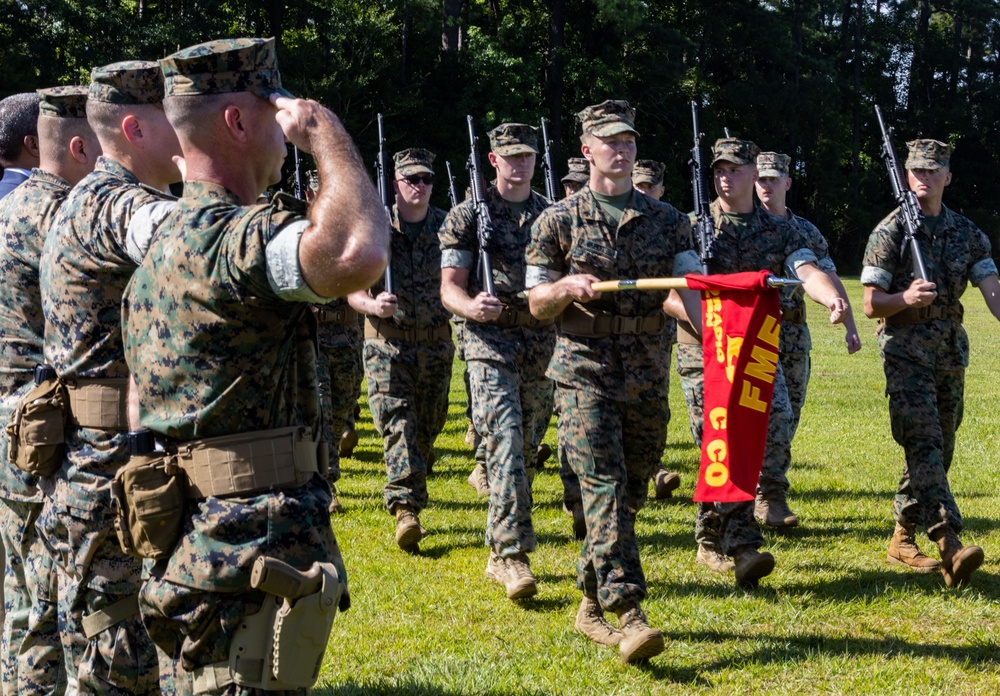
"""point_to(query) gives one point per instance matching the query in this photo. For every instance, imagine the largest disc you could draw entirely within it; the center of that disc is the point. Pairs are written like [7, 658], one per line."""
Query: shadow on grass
[407, 687]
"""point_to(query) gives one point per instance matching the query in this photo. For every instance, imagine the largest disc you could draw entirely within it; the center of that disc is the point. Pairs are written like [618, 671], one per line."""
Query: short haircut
[191, 115]
[18, 118]
[106, 118]
[54, 135]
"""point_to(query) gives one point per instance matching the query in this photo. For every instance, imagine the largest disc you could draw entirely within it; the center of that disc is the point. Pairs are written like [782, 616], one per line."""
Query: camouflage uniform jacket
[765, 242]
[460, 249]
[85, 266]
[958, 253]
[795, 338]
[416, 269]
[216, 350]
[25, 216]
[575, 236]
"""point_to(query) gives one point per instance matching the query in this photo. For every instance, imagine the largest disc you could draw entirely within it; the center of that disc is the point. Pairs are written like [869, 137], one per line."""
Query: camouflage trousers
[338, 372]
[725, 525]
[93, 573]
[32, 650]
[509, 400]
[796, 367]
[408, 385]
[925, 410]
[612, 447]
[193, 601]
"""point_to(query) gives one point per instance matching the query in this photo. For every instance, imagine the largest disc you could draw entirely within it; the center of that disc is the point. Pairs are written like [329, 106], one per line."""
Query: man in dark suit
[18, 139]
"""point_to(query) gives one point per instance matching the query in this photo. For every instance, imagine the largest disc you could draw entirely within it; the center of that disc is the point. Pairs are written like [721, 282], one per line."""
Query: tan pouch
[149, 505]
[37, 429]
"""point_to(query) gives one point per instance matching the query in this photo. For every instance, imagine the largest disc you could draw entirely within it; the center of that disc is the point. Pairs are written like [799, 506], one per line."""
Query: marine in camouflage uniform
[611, 361]
[408, 348]
[925, 351]
[795, 342]
[748, 238]
[220, 339]
[32, 660]
[96, 242]
[577, 176]
[506, 349]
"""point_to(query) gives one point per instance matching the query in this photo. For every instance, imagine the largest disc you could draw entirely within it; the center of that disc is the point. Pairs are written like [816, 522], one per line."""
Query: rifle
[298, 188]
[909, 209]
[452, 191]
[384, 192]
[704, 227]
[548, 170]
[484, 225]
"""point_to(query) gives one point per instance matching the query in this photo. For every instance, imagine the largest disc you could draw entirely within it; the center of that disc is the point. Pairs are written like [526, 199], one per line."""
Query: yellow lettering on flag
[762, 365]
[750, 397]
[733, 345]
[770, 330]
[717, 417]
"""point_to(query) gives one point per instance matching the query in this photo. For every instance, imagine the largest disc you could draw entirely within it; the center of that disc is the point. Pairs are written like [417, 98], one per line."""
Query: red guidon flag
[741, 319]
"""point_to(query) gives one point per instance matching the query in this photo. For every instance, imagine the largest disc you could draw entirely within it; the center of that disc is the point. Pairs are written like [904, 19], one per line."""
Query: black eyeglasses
[425, 179]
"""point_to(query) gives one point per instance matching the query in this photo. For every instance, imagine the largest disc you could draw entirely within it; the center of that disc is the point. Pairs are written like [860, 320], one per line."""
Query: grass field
[834, 617]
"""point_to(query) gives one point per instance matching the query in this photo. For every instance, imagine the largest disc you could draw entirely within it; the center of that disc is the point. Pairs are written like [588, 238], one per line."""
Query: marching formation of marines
[180, 375]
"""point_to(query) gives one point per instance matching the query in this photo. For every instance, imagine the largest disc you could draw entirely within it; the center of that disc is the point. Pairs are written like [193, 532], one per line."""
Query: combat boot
[514, 573]
[639, 641]
[711, 556]
[752, 565]
[542, 455]
[477, 479]
[903, 549]
[773, 511]
[348, 441]
[957, 561]
[590, 622]
[335, 508]
[665, 483]
[472, 438]
[408, 529]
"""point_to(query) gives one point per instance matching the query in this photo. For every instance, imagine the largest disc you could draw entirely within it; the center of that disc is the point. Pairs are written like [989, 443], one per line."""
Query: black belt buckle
[44, 373]
[141, 441]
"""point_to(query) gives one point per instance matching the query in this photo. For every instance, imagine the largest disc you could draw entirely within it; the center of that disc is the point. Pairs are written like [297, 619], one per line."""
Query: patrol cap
[648, 172]
[734, 150]
[608, 118]
[129, 82]
[413, 160]
[514, 139]
[69, 101]
[928, 154]
[579, 171]
[223, 66]
[773, 164]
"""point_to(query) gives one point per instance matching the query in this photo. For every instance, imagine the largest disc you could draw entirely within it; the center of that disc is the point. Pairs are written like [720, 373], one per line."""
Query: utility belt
[381, 328]
[922, 315]
[36, 431]
[578, 320]
[342, 316]
[794, 315]
[150, 491]
[516, 317]
[686, 335]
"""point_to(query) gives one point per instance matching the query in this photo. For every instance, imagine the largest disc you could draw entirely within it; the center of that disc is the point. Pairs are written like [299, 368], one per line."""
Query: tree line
[796, 76]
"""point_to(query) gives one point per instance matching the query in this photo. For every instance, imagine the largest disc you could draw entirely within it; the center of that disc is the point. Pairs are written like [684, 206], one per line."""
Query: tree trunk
[451, 22]
[554, 77]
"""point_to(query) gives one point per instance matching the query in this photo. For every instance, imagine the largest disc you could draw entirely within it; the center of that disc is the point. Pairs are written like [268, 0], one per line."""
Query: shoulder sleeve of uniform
[983, 265]
[143, 226]
[544, 255]
[457, 236]
[881, 257]
[283, 271]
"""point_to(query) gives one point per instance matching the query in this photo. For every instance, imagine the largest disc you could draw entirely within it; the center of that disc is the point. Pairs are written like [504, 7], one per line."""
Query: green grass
[834, 617]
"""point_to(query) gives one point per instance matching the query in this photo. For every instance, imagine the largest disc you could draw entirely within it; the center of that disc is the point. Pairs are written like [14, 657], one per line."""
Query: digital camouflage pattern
[408, 382]
[68, 101]
[611, 392]
[773, 165]
[223, 66]
[129, 82]
[339, 370]
[26, 215]
[579, 170]
[925, 363]
[927, 154]
[608, 118]
[765, 242]
[648, 172]
[215, 351]
[413, 160]
[514, 139]
[734, 150]
[510, 394]
[571, 237]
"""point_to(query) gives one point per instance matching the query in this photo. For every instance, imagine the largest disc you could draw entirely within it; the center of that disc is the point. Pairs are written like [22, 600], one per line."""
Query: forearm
[345, 248]
[990, 288]
[880, 304]
[548, 300]
[456, 299]
[818, 285]
[362, 302]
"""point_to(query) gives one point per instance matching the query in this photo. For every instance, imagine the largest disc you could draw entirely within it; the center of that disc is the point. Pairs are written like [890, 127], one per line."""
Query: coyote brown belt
[922, 315]
[515, 317]
[380, 328]
[98, 403]
[796, 315]
[248, 463]
[343, 316]
[578, 320]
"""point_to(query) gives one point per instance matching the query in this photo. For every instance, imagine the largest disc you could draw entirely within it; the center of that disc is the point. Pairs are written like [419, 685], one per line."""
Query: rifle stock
[909, 208]
[484, 224]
